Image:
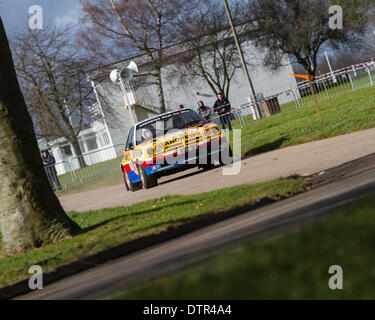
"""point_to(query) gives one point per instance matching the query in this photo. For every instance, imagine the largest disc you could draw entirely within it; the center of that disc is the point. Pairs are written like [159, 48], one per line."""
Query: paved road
[172, 255]
[302, 159]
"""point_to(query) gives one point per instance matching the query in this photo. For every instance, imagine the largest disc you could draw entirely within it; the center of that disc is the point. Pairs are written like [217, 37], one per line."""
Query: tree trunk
[30, 213]
[78, 152]
[159, 84]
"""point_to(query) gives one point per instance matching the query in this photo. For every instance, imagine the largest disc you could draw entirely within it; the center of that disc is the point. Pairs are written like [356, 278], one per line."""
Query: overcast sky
[15, 12]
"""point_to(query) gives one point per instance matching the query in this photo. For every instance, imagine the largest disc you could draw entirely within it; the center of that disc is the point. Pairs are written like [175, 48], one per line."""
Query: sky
[15, 13]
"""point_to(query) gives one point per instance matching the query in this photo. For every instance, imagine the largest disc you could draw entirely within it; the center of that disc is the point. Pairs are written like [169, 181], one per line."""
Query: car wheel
[226, 157]
[132, 186]
[209, 164]
[148, 181]
[207, 167]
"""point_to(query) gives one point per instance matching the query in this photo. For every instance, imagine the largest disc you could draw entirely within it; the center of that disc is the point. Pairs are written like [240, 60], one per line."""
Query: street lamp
[123, 77]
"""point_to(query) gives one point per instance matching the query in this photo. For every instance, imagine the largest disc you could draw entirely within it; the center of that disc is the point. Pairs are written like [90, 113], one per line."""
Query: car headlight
[138, 153]
[207, 132]
[159, 148]
[211, 132]
[150, 152]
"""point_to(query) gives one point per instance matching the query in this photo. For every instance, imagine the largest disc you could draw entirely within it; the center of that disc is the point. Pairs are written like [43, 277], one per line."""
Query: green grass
[342, 87]
[289, 266]
[349, 112]
[110, 227]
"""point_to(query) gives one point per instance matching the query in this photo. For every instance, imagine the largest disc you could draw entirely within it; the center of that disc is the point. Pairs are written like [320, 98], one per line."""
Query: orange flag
[302, 76]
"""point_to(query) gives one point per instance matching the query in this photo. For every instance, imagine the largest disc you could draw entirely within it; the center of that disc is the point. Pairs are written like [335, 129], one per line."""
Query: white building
[95, 144]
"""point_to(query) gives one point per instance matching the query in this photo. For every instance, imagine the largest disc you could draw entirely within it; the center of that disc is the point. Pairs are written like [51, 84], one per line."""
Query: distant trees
[367, 48]
[121, 28]
[30, 213]
[52, 73]
[211, 53]
[299, 28]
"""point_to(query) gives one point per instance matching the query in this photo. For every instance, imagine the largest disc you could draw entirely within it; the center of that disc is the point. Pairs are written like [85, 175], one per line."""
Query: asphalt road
[302, 159]
[173, 255]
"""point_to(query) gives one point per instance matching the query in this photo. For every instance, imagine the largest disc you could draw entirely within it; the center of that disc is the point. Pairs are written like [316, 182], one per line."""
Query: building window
[105, 139]
[91, 144]
[66, 151]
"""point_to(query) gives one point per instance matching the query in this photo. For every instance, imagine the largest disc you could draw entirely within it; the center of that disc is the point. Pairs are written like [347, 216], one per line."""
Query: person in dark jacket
[49, 165]
[221, 108]
[204, 111]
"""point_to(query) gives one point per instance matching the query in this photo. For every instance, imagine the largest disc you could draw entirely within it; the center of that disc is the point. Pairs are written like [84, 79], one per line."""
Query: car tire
[207, 167]
[209, 164]
[224, 157]
[148, 181]
[132, 186]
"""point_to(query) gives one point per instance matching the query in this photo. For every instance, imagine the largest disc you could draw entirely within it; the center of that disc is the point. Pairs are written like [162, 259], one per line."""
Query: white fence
[326, 86]
[83, 168]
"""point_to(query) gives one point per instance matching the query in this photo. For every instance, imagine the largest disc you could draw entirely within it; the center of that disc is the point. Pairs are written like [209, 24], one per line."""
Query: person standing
[222, 107]
[204, 111]
[49, 165]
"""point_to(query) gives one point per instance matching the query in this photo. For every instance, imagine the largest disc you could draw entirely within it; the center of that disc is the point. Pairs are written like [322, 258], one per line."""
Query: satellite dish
[115, 76]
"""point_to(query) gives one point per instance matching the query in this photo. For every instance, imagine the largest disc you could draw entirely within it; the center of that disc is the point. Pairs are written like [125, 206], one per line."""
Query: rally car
[169, 143]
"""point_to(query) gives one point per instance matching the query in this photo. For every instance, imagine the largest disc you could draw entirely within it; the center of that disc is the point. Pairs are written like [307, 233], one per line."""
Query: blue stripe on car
[134, 177]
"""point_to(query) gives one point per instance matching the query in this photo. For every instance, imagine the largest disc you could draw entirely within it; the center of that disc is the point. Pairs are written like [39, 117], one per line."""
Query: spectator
[49, 165]
[204, 111]
[222, 107]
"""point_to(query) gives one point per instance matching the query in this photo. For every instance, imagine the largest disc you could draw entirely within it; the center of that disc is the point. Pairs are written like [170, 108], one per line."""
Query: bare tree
[367, 48]
[52, 74]
[30, 213]
[299, 28]
[119, 29]
[211, 53]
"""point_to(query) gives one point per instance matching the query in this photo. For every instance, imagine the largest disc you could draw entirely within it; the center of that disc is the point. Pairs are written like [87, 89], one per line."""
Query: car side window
[129, 142]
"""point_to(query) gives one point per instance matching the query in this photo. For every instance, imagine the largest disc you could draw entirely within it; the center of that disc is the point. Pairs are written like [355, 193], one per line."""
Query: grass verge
[107, 228]
[287, 266]
[349, 112]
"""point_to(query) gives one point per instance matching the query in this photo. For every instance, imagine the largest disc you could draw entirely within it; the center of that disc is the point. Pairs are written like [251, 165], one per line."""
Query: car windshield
[159, 126]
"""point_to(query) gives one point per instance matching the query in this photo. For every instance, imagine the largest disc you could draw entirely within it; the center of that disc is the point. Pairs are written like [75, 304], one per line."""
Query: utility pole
[252, 91]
